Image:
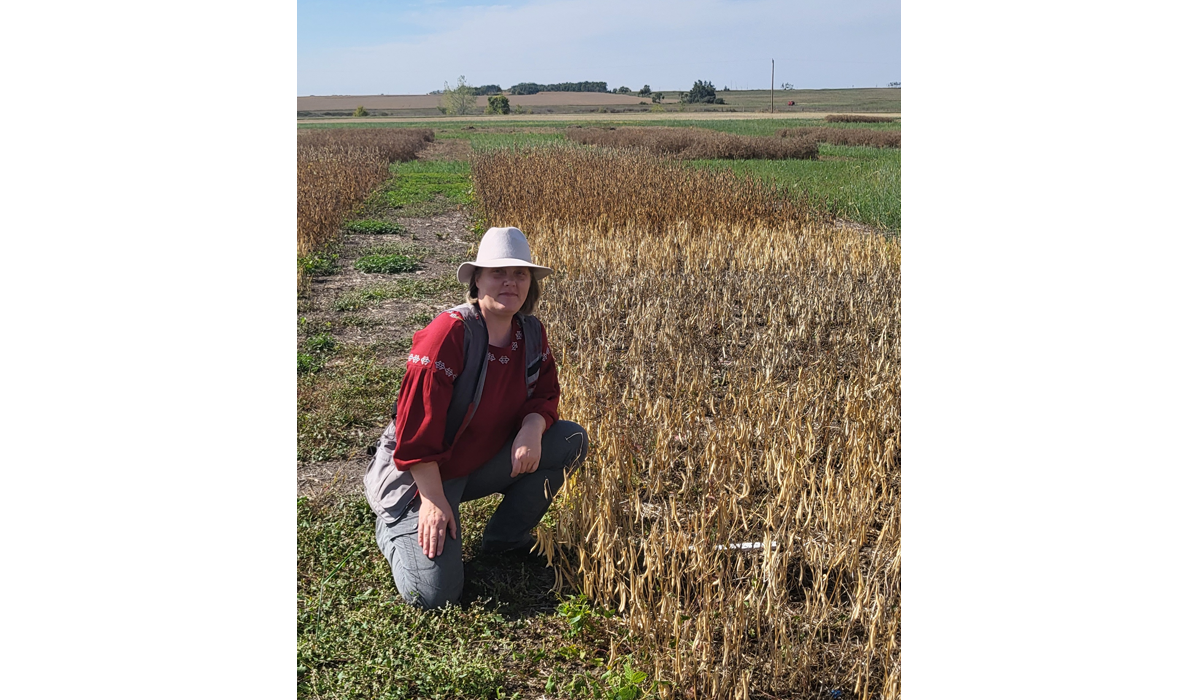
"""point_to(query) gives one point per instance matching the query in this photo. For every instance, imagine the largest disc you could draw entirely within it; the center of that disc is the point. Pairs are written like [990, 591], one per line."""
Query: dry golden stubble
[738, 371]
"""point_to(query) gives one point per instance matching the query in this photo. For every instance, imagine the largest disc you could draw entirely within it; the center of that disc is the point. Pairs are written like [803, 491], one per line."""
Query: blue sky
[364, 47]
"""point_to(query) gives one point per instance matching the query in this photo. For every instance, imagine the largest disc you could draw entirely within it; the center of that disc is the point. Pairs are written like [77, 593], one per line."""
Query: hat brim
[466, 269]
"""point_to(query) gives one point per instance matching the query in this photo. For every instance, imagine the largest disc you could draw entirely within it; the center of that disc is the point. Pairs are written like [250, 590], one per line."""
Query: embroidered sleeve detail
[503, 360]
[515, 346]
[490, 357]
[519, 336]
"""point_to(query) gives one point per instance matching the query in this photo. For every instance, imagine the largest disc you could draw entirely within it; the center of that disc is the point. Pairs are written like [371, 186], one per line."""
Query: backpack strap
[468, 386]
[530, 326]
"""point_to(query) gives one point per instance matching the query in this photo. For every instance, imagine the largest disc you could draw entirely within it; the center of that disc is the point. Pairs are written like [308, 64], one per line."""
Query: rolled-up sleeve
[546, 393]
[434, 361]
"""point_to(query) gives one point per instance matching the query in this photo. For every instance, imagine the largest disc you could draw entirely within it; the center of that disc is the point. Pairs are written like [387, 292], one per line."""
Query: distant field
[830, 101]
[384, 102]
[747, 124]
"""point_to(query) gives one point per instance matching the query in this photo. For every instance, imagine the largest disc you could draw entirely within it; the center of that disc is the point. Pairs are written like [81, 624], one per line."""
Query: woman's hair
[530, 302]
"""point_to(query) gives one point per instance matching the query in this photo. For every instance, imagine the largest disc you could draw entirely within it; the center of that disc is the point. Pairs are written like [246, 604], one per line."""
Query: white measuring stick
[741, 545]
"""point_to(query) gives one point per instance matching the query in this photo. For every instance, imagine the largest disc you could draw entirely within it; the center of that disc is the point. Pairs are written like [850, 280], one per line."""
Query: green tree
[361, 112]
[498, 104]
[703, 91]
[458, 100]
[526, 88]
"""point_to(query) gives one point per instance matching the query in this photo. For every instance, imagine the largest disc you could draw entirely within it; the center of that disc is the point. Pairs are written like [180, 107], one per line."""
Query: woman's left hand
[526, 449]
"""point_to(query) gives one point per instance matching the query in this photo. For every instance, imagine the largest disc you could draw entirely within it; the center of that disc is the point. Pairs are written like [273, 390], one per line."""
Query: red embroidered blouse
[435, 361]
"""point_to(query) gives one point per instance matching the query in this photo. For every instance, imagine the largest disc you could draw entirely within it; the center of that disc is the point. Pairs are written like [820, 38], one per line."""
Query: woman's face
[502, 290]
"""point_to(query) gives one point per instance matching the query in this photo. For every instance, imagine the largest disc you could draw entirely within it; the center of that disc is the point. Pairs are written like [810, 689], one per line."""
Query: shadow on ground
[513, 585]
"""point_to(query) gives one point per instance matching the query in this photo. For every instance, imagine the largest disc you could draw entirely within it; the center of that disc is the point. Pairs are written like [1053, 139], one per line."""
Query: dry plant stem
[736, 361]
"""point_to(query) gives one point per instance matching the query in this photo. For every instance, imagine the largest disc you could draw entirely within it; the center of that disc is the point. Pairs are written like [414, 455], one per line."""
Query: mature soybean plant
[336, 169]
[736, 361]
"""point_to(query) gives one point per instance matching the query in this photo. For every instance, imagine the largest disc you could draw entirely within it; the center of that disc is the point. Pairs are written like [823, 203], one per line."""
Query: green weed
[374, 227]
[317, 349]
[419, 319]
[625, 684]
[579, 614]
[320, 343]
[619, 682]
[306, 363]
[386, 264]
[319, 264]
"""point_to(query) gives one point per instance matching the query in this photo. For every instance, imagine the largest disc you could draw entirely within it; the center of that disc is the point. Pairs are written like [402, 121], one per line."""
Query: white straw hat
[502, 247]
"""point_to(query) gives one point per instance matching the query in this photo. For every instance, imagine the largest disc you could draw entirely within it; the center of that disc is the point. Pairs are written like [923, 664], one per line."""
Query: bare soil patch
[447, 149]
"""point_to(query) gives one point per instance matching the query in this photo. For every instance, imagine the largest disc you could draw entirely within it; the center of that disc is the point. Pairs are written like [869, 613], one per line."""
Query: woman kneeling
[476, 415]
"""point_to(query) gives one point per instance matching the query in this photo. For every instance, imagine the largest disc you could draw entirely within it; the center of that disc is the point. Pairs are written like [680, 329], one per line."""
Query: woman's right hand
[435, 518]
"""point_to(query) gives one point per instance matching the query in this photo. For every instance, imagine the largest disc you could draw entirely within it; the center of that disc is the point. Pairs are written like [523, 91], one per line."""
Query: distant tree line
[455, 98]
[534, 88]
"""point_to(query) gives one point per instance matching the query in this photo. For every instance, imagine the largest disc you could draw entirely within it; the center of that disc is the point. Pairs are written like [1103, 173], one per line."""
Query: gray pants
[431, 583]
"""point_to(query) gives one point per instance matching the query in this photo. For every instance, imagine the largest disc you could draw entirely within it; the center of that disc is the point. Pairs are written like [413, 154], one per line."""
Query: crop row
[692, 143]
[858, 118]
[843, 137]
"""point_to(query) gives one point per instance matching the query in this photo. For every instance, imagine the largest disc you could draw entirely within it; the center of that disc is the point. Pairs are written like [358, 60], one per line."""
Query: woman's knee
[570, 443]
[443, 587]
[423, 582]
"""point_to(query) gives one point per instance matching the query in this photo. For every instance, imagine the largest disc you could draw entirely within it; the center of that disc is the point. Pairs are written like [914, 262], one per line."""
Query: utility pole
[771, 85]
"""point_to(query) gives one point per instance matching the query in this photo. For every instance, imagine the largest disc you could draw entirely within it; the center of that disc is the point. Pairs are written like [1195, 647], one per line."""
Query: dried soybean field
[734, 353]
[737, 364]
